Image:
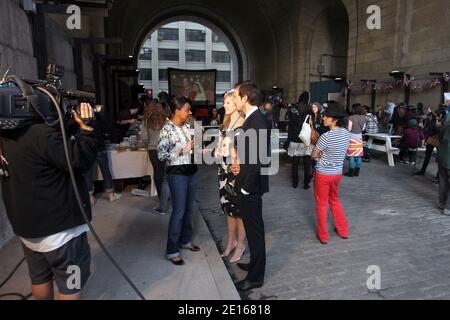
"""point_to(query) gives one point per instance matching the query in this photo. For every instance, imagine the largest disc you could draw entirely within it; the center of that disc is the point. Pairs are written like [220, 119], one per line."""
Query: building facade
[184, 45]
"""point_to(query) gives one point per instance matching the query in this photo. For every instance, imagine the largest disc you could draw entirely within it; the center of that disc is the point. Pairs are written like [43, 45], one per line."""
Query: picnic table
[387, 147]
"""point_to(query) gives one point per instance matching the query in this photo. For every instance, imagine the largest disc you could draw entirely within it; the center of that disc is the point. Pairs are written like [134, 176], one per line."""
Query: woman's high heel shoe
[239, 258]
[226, 256]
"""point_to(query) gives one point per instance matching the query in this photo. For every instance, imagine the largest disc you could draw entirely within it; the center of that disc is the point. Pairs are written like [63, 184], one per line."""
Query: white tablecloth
[128, 164]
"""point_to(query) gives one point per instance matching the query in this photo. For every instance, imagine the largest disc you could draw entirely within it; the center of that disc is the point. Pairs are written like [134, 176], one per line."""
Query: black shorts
[69, 265]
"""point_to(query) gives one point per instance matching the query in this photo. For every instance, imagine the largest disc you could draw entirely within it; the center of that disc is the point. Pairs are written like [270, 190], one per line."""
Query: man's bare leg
[43, 291]
[72, 297]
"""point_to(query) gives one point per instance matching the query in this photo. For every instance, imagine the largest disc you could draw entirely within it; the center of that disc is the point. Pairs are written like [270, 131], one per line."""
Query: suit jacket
[250, 178]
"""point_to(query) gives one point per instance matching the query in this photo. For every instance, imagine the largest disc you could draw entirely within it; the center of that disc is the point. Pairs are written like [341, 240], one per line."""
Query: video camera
[21, 101]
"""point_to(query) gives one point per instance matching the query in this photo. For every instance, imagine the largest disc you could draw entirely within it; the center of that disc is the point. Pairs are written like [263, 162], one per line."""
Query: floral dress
[226, 177]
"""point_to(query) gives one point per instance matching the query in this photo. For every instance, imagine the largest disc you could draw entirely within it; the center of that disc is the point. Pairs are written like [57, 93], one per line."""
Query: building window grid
[223, 76]
[163, 75]
[168, 34]
[195, 55]
[168, 54]
[145, 74]
[195, 35]
[145, 54]
[221, 57]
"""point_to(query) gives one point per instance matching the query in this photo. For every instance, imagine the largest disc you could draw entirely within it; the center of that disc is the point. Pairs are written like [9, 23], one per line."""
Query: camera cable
[78, 197]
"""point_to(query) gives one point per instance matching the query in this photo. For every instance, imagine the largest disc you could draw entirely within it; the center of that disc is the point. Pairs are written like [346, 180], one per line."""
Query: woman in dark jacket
[297, 149]
[430, 130]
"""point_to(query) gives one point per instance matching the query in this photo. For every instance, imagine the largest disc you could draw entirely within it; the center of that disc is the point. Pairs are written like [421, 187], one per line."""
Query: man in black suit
[251, 182]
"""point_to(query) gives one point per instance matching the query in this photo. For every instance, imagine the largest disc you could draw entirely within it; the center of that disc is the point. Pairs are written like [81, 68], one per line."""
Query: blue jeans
[358, 162]
[165, 195]
[103, 162]
[183, 190]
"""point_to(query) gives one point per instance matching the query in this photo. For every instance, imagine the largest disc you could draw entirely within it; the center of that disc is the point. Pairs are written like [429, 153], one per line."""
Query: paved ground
[137, 239]
[393, 225]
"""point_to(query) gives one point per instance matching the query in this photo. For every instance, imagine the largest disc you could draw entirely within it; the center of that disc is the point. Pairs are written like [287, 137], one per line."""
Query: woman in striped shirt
[330, 154]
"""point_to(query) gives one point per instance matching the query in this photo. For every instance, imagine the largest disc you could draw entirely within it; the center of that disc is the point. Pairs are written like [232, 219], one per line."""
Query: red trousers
[326, 191]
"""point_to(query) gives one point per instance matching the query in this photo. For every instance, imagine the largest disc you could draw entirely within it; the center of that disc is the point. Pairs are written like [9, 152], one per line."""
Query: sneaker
[446, 212]
[407, 162]
[440, 206]
[159, 212]
[114, 197]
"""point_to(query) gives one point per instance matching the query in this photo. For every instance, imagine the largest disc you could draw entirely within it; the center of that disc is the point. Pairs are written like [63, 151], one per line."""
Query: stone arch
[309, 12]
[237, 50]
[328, 44]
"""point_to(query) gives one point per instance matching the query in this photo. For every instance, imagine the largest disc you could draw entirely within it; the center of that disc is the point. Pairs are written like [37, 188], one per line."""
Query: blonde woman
[233, 120]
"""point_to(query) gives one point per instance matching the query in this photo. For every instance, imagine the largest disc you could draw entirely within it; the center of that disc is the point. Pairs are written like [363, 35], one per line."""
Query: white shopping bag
[305, 134]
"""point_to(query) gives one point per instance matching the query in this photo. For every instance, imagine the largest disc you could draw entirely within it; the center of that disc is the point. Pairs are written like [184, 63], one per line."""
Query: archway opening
[190, 44]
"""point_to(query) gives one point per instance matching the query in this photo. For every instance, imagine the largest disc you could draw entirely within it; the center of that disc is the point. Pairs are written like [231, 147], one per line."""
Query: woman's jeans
[183, 190]
[357, 161]
[103, 162]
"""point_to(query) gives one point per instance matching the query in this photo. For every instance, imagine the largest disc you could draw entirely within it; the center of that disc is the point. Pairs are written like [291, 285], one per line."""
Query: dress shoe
[345, 238]
[246, 285]
[322, 242]
[237, 259]
[177, 262]
[223, 255]
[350, 173]
[243, 266]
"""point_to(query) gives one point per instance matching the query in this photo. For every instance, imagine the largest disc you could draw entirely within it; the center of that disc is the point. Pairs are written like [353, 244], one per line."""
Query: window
[163, 75]
[168, 34]
[216, 38]
[145, 74]
[195, 55]
[223, 76]
[195, 35]
[221, 57]
[219, 98]
[146, 54]
[168, 55]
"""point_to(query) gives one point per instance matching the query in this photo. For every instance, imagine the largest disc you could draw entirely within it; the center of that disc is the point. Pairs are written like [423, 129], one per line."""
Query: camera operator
[41, 203]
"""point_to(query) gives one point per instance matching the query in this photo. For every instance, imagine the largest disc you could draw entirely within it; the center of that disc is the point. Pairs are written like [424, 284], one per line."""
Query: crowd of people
[320, 136]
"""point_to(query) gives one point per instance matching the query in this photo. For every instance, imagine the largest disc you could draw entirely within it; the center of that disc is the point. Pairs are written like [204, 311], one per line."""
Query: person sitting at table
[175, 147]
[154, 120]
[412, 139]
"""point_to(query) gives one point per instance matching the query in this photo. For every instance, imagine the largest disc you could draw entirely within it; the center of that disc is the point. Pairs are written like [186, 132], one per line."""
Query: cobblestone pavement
[394, 224]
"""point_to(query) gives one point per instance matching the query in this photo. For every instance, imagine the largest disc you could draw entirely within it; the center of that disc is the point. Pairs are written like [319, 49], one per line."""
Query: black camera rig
[21, 101]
